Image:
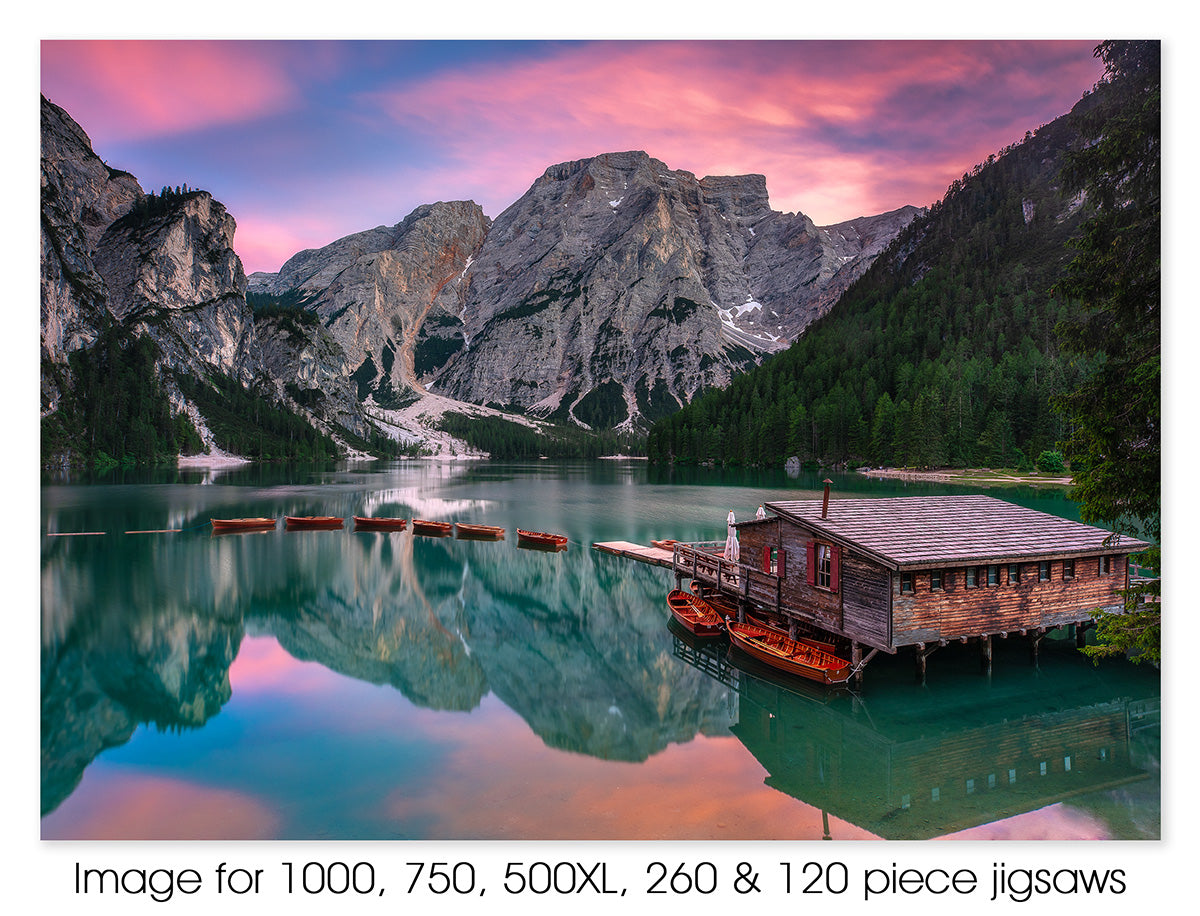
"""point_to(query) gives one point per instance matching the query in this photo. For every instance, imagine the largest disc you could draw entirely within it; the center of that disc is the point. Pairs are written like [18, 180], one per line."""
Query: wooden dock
[655, 556]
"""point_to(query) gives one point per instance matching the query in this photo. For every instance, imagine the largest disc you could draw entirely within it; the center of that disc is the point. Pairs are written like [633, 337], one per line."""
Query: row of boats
[382, 523]
[712, 617]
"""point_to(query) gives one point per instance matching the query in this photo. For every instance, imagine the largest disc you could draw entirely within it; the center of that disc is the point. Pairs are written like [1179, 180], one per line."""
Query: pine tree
[1115, 416]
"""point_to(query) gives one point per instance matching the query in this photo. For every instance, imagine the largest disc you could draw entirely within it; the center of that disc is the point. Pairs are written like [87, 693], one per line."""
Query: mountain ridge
[611, 293]
[661, 284]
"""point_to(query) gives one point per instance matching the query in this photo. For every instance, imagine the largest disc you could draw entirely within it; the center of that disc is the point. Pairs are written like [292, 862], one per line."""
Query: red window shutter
[811, 551]
[782, 571]
[835, 568]
[766, 560]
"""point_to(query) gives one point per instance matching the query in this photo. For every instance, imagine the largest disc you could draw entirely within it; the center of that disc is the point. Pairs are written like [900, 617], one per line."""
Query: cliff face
[612, 292]
[164, 267]
[81, 197]
[176, 275]
[111, 253]
[390, 297]
[617, 288]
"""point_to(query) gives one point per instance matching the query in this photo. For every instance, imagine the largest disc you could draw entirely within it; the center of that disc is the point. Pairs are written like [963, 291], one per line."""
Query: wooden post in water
[1035, 641]
[985, 653]
[855, 661]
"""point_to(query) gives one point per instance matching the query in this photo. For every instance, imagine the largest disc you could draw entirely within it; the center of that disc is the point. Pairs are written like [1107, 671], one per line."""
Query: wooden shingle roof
[924, 531]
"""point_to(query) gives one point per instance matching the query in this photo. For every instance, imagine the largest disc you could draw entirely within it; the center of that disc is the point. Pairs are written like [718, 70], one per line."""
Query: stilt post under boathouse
[885, 574]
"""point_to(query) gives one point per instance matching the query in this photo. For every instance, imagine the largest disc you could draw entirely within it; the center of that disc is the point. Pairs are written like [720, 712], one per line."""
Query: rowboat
[379, 523]
[435, 529]
[694, 613]
[541, 539]
[772, 624]
[478, 532]
[241, 524]
[718, 602]
[790, 655]
[668, 544]
[313, 521]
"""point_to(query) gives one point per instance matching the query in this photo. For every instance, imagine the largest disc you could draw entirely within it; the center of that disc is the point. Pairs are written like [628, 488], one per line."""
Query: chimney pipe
[825, 501]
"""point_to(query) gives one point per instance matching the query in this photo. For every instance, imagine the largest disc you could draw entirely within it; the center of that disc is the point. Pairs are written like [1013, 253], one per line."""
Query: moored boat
[478, 532]
[791, 655]
[541, 539]
[436, 529]
[313, 521]
[667, 544]
[718, 602]
[379, 523]
[694, 613]
[241, 524]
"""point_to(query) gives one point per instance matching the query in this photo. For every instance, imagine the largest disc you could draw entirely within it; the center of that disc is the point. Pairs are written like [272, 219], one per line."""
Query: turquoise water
[343, 685]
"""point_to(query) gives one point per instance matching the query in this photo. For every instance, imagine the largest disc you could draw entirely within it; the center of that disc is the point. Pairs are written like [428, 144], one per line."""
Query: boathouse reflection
[917, 764]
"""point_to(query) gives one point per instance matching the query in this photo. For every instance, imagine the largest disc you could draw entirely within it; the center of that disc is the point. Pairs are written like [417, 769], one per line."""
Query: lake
[347, 685]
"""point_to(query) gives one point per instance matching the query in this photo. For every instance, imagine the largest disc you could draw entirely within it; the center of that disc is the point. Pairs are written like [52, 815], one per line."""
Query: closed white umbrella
[732, 549]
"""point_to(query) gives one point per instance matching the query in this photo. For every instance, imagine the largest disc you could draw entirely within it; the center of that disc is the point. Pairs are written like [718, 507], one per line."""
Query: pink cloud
[138, 89]
[840, 129]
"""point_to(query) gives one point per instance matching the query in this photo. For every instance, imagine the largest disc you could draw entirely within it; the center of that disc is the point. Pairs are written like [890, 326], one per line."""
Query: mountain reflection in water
[345, 684]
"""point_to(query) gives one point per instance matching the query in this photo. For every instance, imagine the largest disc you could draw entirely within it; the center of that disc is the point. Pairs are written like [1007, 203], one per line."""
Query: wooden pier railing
[705, 563]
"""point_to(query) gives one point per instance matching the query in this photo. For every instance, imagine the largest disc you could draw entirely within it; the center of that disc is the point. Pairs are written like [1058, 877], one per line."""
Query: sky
[306, 141]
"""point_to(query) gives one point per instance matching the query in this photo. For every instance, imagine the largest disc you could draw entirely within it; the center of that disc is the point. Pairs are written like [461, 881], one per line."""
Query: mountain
[943, 353]
[611, 293]
[145, 326]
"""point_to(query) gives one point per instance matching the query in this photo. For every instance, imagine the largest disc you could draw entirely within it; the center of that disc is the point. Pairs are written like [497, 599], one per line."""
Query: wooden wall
[868, 606]
[866, 601]
[859, 609]
[956, 611]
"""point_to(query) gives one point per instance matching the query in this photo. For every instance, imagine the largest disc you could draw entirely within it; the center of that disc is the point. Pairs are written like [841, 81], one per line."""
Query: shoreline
[966, 475]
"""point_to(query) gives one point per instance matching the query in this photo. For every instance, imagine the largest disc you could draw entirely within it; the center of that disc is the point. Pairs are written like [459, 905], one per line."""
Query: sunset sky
[308, 141]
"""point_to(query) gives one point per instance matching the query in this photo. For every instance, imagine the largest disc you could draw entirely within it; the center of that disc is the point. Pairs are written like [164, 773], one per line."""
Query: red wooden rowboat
[541, 539]
[768, 621]
[694, 613]
[313, 521]
[379, 523]
[241, 524]
[478, 532]
[718, 602]
[790, 655]
[436, 529]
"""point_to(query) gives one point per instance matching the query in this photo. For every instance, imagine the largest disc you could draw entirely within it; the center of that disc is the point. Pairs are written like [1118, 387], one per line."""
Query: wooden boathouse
[880, 574]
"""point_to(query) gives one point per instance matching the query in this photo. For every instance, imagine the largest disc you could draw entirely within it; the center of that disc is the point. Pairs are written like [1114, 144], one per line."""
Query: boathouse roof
[910, 532]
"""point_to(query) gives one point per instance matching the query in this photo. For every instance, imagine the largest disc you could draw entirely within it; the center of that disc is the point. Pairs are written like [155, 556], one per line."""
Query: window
[824, 565]
[1068, 569]
[906, 583]
[972, 577]
[935, 580]
[1014, 573]
[993, 575]
[1044, 571]
[773, 560]
[1106, 566]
